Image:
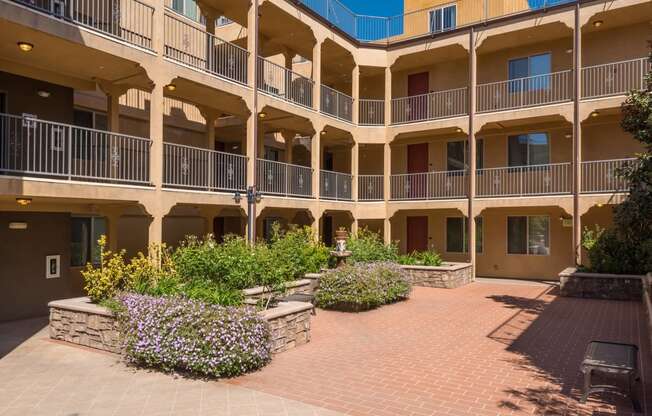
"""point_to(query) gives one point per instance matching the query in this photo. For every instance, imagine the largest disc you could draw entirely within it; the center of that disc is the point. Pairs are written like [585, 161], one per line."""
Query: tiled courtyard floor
[484, 349]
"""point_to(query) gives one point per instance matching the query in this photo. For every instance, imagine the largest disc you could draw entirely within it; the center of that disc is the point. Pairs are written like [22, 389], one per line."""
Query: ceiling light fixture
[323, 132]
[43, 93]
[171, 87]
[595, 114]
[568, 136]
[25, 46]
[262, 114]
[23, 201]
[597, 23]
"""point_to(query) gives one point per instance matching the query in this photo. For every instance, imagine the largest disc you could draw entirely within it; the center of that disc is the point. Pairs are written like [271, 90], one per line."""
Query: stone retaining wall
[81, 322]
[446, 276]
[600, 285]
[296, 286]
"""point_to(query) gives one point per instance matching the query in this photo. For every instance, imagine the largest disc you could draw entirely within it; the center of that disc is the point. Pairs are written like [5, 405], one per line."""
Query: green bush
[608, 252]
[109, 277]
[297, 252]
[421, 258]
[368, 246]
[362, 286]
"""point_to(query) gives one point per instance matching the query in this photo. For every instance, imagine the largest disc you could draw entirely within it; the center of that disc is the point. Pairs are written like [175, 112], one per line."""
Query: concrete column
[158, 26]
[354, 227]
[155, 231]
[316, 75]
[113, 112]
[387, 170]
[315, 156]
[113, 217]
[260, 140]
[156, 134]
[251, 149]
[577, 137]
[355, 162]
[252, 46]
[387, 230]
[388, 96]
[210, 44]
[472, 150]
[288, 136]
[210, 115]
[355, 93]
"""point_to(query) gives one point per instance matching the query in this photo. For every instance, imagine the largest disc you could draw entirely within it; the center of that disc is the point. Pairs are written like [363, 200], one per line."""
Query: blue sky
[375, 7]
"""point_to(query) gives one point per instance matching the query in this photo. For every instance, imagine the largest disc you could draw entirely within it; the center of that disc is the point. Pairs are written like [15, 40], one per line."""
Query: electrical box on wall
[52, 266]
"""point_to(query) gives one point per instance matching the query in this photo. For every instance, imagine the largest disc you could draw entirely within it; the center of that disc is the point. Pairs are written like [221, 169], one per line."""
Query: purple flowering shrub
[362, 286]
[175, 333]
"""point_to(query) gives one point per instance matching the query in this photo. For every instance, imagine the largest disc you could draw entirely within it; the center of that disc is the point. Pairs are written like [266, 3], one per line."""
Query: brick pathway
[484, 349]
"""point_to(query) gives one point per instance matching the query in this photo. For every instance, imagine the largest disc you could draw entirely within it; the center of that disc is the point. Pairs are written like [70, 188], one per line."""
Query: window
[456, 235]
[188, 8]
[90, 119]
[90, 145]
[536, 68]
[442, 18]
[85, 231]
[271, 154]
[528, 235]
[456, 155]
[528, 149]
[223, 21]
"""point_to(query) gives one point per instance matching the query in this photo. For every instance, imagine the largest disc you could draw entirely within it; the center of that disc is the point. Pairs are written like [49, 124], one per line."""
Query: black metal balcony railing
[548, 179]
[335, 185]
[429, 185]
[371, 187]
[39, 148]
[127, 20]
[285, 179]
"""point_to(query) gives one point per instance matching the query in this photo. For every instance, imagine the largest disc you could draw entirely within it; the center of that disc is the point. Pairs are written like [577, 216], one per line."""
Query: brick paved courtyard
[484, 349]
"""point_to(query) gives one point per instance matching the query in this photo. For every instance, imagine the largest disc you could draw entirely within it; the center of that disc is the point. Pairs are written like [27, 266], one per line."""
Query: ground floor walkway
[485, 349]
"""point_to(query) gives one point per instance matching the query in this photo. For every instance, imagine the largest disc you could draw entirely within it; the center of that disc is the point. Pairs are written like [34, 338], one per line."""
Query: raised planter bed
[601, 285]
[80, 322]
[447, 276]
[296, 286]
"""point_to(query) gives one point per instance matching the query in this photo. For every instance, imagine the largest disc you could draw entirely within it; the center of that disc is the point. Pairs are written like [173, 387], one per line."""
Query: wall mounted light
[598, 23]
[23, 201]
[262, 114]
[17, 225]
[599, 205]
[568, 136]
[25, 46]
[595, 114]
[323, 132]
[458, 130]
[171, 87]
[43, 93]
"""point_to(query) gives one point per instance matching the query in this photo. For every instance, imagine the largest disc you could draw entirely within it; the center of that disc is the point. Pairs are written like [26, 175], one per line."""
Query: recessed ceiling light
[25, 46]
[569, 50]
[568, 136]
[598, 23]
[262, 114]
[23, 201]
[323, 132]
[43, 93]
[595, 114]
[171, 87]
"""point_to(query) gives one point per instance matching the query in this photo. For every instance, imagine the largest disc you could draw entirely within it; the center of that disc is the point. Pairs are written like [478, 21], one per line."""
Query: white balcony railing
[335, 185]
[614, 78]
[278, 178]
[371, 188]
[194, 168]
[371, 112]
[127, 20]
[602, 176]
[525, 92]
[204, 51]
[32, 147]
[336, 104]
[430, 106]
[550, 179]
[429, 185]
[283, 83]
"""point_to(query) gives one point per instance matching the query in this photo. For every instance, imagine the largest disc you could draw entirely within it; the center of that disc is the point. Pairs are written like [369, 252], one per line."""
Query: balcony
[188, 44]
[336, 104]
[130, 21]
[283, 83]
[432, 106]
[371, 112]
[193, 168]
[429, 185]
[283, 179]
[371, 188]
[335, 185]
[39, 148]
[614, 78]
[532, 91]
[550, 179]
[600, 176]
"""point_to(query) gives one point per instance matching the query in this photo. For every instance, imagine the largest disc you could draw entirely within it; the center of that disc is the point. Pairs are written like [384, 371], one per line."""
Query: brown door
[218, 229]
[417, 234]
[417, 107]
[417, 162]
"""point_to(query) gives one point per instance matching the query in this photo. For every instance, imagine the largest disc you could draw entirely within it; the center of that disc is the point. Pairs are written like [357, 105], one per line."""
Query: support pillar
[211, 116]
[316, 75]
[355, 93]
[471, 226]
[577, 137]
[355, 162]
[288, 137]
[156, 135]
[315, 162]
[113, 218]
[387, 192]
[388, 96]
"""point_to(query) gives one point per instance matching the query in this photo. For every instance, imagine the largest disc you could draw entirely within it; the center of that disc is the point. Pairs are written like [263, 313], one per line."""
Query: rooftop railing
[127, 20]
[39, 148]
[190, 45]
[194, 168]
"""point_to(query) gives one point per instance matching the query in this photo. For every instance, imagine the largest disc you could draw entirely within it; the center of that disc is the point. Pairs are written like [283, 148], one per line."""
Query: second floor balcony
[335, 185]
[429, 185]
[283, 179]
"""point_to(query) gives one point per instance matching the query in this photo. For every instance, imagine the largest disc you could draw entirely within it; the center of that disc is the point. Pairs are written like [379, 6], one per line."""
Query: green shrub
[608, 252]
[368, 246]
[421, 258]
[362, 286]
[110, 277]
[297, 252]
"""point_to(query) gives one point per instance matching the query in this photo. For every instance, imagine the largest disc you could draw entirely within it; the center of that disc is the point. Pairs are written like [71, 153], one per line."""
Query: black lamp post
[253, 197]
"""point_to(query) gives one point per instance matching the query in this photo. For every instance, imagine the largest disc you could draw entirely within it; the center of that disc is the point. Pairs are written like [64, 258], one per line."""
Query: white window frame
[223, 21]
[432, 13]
[527, 236]
[465, 245]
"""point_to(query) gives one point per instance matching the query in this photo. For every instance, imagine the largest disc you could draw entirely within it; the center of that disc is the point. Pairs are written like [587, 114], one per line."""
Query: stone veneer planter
[601, 285]
[80, 322]
[447, 276]
[296, 286]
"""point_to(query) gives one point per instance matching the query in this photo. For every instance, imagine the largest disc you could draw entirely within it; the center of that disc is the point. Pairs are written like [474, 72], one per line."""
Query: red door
[417, 234]
[417, 164]
[417, 107]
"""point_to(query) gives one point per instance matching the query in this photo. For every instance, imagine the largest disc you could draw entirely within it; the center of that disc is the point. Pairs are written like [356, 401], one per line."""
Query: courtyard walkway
[485, 349]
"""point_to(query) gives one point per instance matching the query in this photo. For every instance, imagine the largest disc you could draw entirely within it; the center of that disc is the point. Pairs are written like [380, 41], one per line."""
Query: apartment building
[148, 120]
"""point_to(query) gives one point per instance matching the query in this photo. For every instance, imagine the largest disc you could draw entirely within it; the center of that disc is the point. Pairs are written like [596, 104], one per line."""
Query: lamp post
[253, 197]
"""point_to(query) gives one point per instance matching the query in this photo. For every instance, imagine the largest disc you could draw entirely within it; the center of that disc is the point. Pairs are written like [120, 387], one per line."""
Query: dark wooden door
[327, 231]
[218, 229]
[328, 161]
[219, 146]
[417, 234]
[417, 163]
[416, 108]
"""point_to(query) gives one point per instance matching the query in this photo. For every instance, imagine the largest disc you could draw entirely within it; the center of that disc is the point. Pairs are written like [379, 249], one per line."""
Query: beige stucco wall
[22, 98]
[603, 141]
[624, 42]
[443, 75]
